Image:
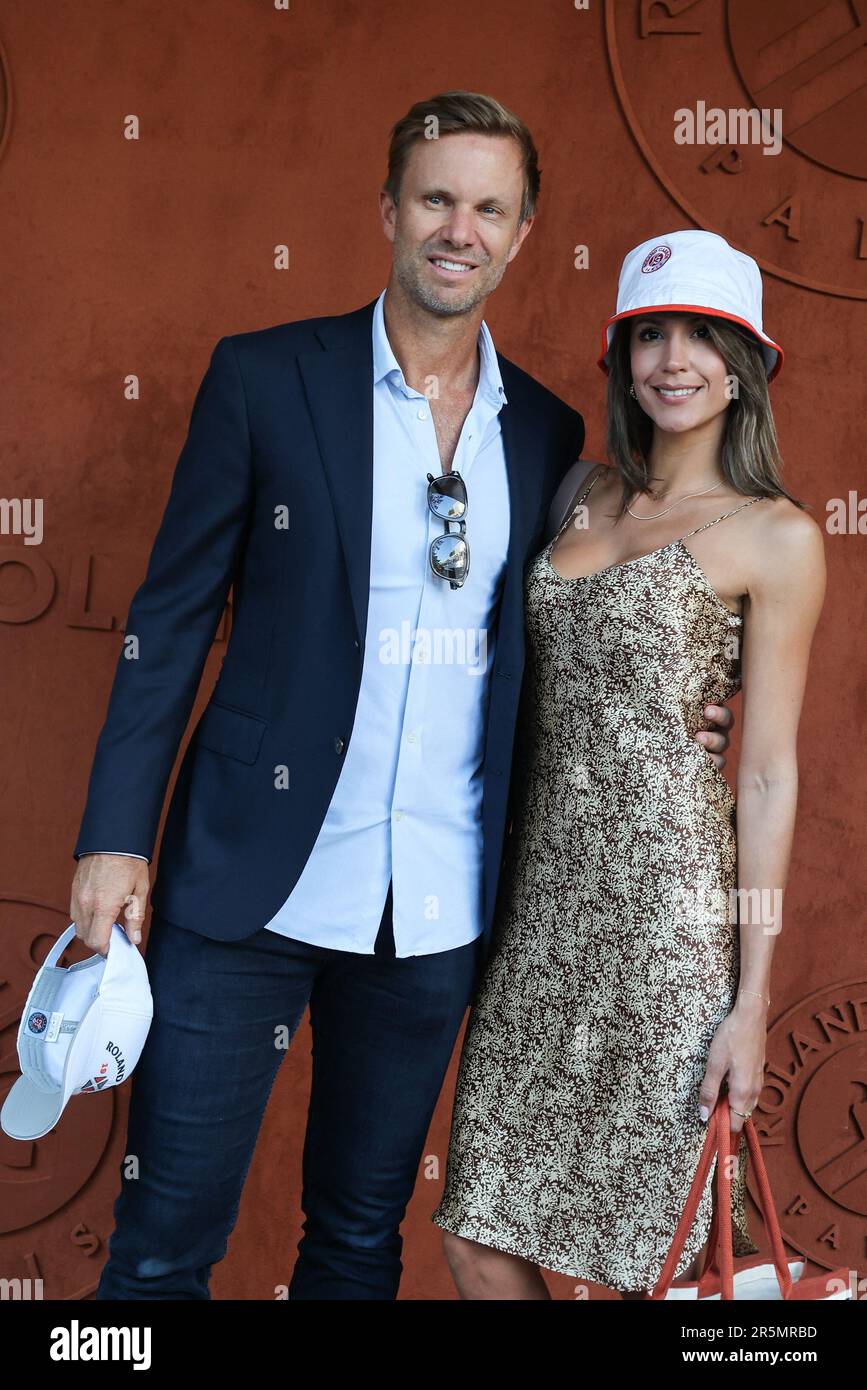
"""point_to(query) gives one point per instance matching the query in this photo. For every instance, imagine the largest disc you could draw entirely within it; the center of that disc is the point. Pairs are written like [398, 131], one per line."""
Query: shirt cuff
[125, 853]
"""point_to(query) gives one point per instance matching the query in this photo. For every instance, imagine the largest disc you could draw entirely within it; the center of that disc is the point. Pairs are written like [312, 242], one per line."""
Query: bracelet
[766, 997]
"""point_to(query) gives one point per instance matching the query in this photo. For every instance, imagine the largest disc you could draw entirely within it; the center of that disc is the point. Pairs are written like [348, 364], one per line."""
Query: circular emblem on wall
[754, 124]
[811, 1121]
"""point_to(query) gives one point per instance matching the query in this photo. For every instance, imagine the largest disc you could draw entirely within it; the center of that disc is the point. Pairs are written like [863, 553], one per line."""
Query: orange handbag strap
[719, 1137]
[688, 1215]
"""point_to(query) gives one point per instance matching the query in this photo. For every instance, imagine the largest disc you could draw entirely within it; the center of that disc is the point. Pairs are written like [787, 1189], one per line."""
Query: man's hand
[716, 740]
[103, 885]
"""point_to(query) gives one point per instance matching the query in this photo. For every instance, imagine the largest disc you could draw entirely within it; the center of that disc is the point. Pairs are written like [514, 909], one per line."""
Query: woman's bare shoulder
[788, 543]
[780, 520]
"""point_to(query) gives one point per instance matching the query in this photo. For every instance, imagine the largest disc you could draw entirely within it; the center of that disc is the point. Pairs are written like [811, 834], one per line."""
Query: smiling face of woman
[680, 378]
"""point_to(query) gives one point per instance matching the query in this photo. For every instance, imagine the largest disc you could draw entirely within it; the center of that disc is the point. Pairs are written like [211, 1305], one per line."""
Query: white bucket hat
[692, 272]
[82, 1030]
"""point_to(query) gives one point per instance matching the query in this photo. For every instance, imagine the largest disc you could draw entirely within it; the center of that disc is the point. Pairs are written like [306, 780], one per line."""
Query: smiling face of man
[456, 227]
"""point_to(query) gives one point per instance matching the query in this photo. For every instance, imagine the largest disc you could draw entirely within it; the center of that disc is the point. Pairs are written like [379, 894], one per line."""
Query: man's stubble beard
[409, 263]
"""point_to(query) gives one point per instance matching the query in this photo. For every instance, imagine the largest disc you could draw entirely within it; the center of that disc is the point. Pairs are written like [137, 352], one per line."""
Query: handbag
[754, 1278]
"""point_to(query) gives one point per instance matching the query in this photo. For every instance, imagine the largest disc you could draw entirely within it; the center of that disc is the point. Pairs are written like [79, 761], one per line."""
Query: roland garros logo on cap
[656, 259]
[37, 1022]
[95, 1083]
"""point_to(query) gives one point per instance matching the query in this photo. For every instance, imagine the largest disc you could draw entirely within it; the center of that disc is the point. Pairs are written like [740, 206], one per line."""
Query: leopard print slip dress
[576, 1131]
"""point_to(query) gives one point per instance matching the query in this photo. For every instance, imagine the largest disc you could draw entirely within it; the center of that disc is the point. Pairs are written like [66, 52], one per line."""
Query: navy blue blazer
[283, 418]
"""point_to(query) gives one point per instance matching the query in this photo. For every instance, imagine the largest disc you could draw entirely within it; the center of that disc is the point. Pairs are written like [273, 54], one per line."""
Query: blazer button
[339, 745]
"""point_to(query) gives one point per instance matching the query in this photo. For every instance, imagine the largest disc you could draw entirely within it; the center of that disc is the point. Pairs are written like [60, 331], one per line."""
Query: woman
[629, 979]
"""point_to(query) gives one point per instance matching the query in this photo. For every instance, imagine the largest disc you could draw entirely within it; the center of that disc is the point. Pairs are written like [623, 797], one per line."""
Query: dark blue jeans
[383, 1033]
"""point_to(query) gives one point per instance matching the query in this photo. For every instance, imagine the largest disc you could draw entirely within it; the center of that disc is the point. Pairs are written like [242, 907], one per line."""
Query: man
[336, 829]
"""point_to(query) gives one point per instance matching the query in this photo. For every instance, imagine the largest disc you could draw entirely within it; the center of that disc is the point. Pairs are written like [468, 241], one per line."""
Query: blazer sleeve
[173, 617]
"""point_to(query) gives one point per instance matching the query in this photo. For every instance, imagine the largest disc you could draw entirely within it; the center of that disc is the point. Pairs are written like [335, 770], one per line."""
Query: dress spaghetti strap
[723, 517]
[571, 512]
[590, 486]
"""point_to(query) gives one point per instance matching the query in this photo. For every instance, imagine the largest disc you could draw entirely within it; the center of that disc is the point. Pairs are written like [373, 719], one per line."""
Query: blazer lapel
[339, 386]
[524, 467]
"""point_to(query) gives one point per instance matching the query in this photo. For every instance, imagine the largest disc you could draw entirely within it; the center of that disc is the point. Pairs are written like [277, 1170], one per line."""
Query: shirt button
[422, 414]
[339, 745]
[398, 815]
[410, 738]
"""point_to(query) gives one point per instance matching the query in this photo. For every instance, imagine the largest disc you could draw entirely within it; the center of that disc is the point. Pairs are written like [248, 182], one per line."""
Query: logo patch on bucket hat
[657, 258]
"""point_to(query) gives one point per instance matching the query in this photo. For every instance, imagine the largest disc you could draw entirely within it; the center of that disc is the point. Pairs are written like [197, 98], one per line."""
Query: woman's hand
[737, 1055]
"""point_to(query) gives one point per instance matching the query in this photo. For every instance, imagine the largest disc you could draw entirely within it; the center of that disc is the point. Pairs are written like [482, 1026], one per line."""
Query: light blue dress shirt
[408, 802]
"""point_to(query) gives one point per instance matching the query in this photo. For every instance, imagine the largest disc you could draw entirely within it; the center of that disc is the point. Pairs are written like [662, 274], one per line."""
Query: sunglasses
[450, 553]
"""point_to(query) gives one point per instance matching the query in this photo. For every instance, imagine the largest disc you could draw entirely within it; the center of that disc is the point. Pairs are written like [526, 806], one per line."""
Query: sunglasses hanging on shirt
[450, 553]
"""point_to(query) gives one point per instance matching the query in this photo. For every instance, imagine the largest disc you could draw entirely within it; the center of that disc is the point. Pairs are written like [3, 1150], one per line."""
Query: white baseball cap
[692, 272]
[81, 1031]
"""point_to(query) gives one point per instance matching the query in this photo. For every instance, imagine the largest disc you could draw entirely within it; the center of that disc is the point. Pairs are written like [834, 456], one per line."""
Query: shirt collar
[386, 364]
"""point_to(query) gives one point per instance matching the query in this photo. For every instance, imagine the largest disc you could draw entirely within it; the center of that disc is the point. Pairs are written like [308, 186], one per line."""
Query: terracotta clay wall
[261, 126]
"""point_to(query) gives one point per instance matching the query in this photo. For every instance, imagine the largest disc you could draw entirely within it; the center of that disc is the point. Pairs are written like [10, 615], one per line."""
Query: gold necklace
[685, 498]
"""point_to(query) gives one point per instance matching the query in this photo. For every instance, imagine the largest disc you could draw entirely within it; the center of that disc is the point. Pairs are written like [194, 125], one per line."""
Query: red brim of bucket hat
[760, 338]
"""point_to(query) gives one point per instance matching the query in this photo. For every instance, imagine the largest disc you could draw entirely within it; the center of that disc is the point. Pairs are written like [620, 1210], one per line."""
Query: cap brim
[29, 1113]
[770, 349]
